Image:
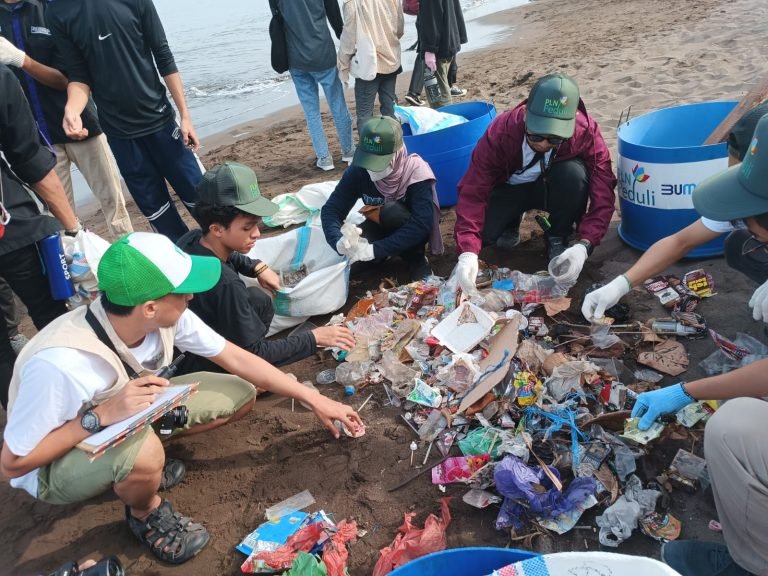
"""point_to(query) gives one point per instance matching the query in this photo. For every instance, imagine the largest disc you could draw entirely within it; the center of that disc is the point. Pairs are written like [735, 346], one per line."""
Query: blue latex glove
[652, 405]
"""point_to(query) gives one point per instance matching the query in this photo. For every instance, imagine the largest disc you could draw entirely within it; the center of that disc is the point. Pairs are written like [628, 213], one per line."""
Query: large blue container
[463, 562]
[661, 161]
[448, 151]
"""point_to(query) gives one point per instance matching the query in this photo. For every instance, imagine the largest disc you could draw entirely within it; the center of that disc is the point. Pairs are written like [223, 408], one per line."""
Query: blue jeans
[146, 163]
[306, 88]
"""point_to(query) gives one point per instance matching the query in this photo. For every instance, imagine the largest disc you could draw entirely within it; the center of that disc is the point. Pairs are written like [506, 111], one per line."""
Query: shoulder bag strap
[101, 334]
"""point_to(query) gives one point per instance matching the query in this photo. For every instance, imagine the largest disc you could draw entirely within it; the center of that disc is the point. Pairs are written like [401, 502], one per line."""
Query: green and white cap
[740, 191]
[380, 137]
[144, 266]
[552, 106]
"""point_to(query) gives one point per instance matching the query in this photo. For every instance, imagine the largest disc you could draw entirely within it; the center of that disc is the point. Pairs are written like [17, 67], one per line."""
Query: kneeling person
[96, 366]
[229, 211]
[398, 190]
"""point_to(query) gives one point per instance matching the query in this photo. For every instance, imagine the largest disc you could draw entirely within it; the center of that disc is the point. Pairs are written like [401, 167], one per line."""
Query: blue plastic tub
[463, 562]
[661, 161]
[448, 151]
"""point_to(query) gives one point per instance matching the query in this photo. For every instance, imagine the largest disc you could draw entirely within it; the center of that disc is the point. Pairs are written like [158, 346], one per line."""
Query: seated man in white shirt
[96, 366]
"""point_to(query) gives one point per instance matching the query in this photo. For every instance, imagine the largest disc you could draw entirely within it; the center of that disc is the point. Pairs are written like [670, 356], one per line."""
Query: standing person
[546, 153]
[9, 314]
[416, 87]
[312, 63]
[441, 33]
[383, 21]
[398, 190]
[26, 161]
[27, 46]
[115, 49]
[229, 211]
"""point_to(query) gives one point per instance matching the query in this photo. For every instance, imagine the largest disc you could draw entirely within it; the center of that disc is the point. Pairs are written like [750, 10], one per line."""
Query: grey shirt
[310, 46]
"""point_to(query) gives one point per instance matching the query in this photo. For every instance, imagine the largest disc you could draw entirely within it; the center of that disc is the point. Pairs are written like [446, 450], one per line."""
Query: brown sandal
[170, 536]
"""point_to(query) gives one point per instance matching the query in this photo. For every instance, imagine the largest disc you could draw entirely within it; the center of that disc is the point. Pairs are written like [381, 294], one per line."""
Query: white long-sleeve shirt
[383, 21]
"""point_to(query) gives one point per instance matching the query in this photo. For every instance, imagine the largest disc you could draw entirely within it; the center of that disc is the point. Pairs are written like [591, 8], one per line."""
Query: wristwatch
[587, 244]
[90, 421]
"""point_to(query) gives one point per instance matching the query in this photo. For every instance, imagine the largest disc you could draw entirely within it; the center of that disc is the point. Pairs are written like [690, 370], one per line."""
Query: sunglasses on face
[554, 140]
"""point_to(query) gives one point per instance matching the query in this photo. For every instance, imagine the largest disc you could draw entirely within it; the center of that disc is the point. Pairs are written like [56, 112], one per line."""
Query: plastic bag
[516, 481]
[620, 519]
[307, 565]
[323, 291]
[534, 288]
[402, 378]
[748, 350]
[411, 542]
[566, 378]
[305, 206]
[482, 441]
[423, 120]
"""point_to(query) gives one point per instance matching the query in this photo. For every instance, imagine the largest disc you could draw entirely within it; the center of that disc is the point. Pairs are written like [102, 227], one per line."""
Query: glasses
[752, 244]
[554, 140]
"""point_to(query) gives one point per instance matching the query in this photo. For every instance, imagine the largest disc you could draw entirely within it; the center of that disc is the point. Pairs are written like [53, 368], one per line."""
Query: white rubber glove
[759, 303]
[10, 55]
[596, 302]
[565, 269]
[430, 60]
[466, 273]
[364, 251]
[343, 248]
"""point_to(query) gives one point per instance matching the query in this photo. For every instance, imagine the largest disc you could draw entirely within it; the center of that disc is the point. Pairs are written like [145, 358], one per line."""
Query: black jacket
[30, 162]
[441, 27]
[229, 309]
[24, 25]
[117, 47]
[356, 184]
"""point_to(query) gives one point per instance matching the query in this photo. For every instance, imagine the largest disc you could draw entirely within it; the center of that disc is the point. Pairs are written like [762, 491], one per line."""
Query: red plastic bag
[411, 543]
[335, 552]
[303, 541]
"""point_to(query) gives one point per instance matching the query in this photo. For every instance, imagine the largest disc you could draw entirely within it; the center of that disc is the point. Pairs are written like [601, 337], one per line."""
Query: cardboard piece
[505, 341]
[668, 357]
[557, 305]
[464, 328]
[755, 96]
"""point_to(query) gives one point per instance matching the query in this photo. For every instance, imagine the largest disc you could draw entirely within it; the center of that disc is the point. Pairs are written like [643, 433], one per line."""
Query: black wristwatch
[74, 231]
[90, 421]
[587, 244]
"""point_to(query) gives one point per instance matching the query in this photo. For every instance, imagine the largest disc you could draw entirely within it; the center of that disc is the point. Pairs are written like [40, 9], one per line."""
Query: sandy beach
[647, 54]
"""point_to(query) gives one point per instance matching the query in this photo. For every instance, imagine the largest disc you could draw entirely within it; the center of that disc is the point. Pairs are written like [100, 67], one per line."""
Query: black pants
[23, 271]
[754, 264]
[564, 195]
[393, 216]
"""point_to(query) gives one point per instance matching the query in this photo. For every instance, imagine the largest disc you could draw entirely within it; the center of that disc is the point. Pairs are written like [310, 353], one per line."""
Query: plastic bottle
[56, 268]
[432, 89]
[672, 327]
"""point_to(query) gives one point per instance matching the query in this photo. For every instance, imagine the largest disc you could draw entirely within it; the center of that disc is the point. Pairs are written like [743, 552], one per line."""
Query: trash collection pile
[528, 410]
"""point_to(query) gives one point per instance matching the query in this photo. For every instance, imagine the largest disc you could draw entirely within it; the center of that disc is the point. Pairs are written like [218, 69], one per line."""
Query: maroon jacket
[499, 154]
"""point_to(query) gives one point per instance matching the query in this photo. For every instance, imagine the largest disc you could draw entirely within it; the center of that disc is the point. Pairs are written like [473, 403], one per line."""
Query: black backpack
[277, 36]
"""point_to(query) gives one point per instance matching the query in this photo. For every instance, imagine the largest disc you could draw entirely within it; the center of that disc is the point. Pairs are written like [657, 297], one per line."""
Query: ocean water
[223, 53]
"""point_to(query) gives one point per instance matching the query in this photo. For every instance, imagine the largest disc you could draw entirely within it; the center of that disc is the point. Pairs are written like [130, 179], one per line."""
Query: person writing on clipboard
[73, 378]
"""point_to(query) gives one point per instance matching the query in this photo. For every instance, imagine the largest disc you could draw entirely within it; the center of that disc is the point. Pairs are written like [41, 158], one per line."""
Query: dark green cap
[740, 191]
[380, 138]
[233, 184]
[552, 105]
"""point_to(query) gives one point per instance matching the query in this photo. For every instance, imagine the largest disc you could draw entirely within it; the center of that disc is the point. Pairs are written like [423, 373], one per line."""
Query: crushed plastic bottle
[352, 374]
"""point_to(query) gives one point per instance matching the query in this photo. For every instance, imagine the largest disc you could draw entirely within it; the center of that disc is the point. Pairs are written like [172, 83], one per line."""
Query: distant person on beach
[230, 210]
[97, 365]
[116, 49]
[382, 20]
[312, 63]
[27, 47]
[441, 32]
[26, 161]
[744, 251]
[398, 190]
[416, 86]
[734, 438]
[547, 153]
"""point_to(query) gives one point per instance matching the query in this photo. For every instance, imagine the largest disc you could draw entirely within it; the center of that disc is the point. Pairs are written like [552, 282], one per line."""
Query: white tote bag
[364, 63]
